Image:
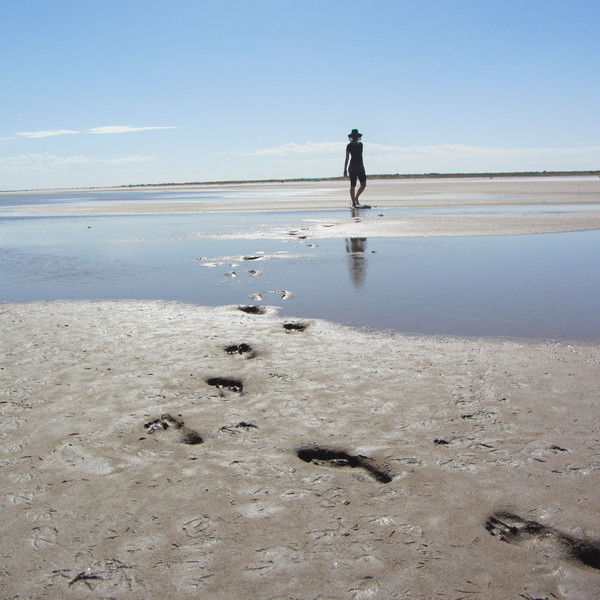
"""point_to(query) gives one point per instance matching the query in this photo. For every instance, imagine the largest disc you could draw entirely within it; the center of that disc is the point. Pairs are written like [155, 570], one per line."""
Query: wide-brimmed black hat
[354, 134]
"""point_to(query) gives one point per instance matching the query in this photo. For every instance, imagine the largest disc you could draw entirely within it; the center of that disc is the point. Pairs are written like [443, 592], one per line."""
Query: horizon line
[433, 175]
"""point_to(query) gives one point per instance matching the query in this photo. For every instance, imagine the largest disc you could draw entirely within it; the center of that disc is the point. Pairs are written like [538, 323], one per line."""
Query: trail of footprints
[226, 385]
[503, 525]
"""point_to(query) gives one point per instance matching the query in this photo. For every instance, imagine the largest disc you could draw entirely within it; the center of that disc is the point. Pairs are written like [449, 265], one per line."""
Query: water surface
[531, 286]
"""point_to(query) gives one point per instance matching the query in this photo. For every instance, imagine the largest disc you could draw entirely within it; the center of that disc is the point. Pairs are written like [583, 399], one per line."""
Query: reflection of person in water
[354, 153]
[355, 247]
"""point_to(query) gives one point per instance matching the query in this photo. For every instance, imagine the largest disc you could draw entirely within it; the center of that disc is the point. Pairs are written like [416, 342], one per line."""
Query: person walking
[354, 154]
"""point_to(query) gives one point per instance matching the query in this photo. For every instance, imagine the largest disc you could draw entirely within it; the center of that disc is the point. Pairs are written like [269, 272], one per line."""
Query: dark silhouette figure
[356, 170]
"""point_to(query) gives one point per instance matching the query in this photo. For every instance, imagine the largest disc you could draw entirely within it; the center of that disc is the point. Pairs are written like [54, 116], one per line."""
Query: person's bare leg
[361, 189]
[352, 196]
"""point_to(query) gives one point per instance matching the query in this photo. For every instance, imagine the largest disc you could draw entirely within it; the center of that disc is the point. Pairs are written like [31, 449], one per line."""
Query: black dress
[356, 158]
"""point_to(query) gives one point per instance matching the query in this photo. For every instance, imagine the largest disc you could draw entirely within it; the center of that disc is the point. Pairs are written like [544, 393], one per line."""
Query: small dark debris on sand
[239, 427]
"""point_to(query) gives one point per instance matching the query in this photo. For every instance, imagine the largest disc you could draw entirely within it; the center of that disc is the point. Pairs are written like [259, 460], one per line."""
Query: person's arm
[346, 162]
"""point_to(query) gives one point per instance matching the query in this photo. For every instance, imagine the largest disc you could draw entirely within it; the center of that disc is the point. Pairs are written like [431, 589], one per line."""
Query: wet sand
[154, 449]
[381, 195]
[414, 446]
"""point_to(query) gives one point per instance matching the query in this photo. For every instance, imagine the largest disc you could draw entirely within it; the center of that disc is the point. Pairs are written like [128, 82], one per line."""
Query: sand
[154, 449]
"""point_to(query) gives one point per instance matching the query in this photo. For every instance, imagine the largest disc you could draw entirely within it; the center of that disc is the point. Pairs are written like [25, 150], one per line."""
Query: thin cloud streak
[443, 150]
[50, 160]
[44, 134]
[481, 151]
[123, 129]
[291, 148]
[107, 129]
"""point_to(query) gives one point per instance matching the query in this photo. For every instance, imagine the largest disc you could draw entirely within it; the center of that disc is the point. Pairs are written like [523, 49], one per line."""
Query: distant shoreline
[408, 176]
[380, 176]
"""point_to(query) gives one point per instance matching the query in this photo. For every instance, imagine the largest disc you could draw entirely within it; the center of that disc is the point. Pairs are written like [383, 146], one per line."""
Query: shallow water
[529, 286]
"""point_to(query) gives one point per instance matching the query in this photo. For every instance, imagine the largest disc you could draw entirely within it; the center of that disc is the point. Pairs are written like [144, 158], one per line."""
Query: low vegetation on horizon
[317, 179]
[385, 176]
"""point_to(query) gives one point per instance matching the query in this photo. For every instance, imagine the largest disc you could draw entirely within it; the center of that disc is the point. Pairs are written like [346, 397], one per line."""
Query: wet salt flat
[109, 200]
[529, 286]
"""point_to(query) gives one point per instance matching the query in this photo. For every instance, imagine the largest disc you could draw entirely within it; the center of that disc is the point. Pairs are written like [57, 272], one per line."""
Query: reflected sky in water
[530, 286]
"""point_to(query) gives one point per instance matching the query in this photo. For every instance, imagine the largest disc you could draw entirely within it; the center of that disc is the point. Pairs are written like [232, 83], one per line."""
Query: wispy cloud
[50, 160]
[326, 157]
[123, 129]
[291, 149]
[43, 134]
[464, 150]
[309, 149]
[106, 129]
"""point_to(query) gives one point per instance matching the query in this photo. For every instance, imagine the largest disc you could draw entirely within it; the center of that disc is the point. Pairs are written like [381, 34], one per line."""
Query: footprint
[243, 426]
[243, 349]
[166, 421]
[367, 588]
[339, 458]
[253, 310]
[512, 529]
[224, 383]
[294, 326]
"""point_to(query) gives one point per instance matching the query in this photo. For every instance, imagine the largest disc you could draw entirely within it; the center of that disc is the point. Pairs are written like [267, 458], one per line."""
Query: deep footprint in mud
[512, 529]
[244, 350]
[295, 326]
[225, 384]
[253, 310]
[339, 458]
[168, 422]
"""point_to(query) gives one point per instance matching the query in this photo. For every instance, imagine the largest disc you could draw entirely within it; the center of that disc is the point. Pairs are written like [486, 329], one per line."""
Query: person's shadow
[355, 249]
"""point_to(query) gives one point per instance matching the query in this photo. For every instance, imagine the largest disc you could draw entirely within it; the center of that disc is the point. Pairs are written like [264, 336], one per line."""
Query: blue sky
[107, 92]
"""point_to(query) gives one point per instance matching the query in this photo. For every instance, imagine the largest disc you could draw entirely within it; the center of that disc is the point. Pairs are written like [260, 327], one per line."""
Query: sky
[105, 92]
